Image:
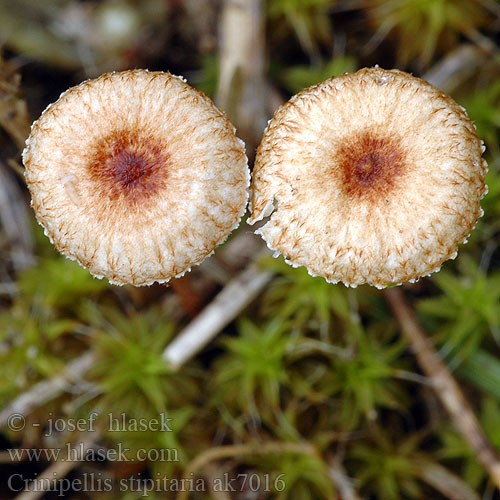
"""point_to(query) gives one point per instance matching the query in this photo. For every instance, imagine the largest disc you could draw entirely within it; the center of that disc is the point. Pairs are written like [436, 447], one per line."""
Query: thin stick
[15, 220]
[453, 70]
[445, 386]
[343, 483]
[233, 298]
[440, 478]
[242, 85]
[55, 472]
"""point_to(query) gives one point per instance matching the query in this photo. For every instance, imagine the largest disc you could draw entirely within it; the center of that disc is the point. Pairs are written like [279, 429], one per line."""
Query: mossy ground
[312, 382]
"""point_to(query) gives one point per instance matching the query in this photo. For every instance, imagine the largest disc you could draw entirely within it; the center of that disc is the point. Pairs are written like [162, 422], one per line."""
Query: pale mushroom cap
[136, 175]
[373, 177]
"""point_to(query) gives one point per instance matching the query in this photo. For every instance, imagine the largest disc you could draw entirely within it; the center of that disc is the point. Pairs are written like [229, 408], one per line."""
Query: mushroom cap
[371, 177]
[136, 175]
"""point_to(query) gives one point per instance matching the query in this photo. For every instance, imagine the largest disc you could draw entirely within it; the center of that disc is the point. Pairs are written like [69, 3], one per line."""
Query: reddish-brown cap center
[370, 165]
[128, 166]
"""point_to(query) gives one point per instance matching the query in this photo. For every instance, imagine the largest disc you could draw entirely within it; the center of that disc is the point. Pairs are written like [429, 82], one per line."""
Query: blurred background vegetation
[311, 384]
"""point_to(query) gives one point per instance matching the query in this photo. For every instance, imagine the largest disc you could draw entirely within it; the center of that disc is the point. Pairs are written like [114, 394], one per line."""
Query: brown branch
[445, 386]
[440, 478]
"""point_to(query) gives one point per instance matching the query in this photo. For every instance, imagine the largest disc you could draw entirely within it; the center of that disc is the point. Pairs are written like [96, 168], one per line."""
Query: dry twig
[458, 66]
[440, 478]
[46, 390]
[241, 58]
[237, 293]
[343, 483]
[15, 221]
[445, 386]
[48, 479]
[235, 296]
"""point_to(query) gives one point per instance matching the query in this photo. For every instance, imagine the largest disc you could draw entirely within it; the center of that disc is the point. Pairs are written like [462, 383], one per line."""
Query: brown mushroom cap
[136, 175]
[372, 177]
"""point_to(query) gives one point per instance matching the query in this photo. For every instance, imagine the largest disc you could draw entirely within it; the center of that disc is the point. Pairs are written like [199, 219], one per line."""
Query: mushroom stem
[445, 386]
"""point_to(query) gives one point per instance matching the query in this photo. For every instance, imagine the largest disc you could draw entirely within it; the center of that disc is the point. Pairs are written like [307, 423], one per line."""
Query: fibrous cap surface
[136, 175]
[373, 177]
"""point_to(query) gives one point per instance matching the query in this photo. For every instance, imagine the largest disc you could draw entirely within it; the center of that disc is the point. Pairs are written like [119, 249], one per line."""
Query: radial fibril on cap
[373, 177]
[136, 175]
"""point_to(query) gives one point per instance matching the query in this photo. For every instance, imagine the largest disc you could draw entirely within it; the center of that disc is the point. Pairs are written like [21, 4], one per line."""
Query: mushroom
[372, 177]
[136, 175]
